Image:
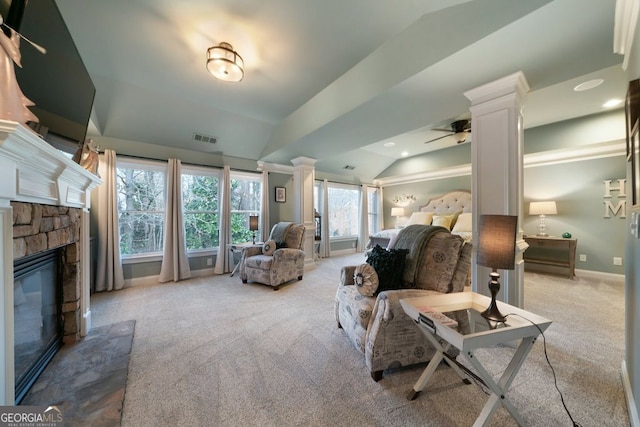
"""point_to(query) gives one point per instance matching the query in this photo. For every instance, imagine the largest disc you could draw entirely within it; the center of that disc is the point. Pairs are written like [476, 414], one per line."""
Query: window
[246, 199]
[200, 189]
[141, 201]
[343, 210]
[373, 204]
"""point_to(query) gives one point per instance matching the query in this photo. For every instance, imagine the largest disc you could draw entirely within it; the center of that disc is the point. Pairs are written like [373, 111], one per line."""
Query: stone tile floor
[86, 380]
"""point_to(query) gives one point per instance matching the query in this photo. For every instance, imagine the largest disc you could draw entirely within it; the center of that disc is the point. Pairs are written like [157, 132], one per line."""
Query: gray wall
[577, 187]
[578, 190]
[422, 191]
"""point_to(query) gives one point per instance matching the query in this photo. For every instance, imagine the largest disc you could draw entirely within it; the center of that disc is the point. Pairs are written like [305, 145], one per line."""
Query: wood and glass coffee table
[521, 327]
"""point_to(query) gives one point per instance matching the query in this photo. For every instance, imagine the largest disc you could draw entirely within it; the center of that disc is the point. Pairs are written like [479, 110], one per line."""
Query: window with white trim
[141, 206]
[373, 194]
[200, 207]
[343, 210]
[246, 200]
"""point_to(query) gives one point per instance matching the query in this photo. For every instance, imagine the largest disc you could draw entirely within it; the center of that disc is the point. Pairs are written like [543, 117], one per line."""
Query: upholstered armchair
[436, 261]
[279, 260]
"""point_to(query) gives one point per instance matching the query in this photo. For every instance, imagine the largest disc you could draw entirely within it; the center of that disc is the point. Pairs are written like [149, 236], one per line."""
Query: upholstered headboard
[451, 202]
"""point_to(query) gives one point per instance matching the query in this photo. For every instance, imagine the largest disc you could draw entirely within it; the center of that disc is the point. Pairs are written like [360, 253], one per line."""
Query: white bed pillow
[463, 223]
[423, 218]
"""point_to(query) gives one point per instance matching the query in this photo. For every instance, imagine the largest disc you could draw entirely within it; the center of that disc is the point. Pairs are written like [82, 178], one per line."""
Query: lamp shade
[225, 63]
[543, 208]
[497, 241]
[253, 222]
[397, 211]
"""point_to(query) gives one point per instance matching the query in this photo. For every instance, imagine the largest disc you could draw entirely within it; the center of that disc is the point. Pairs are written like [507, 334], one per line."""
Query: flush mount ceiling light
[225, 63]
[590, 84]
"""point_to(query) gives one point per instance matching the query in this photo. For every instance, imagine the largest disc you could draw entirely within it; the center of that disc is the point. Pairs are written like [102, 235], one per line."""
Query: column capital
[304, 161]
[516, 82]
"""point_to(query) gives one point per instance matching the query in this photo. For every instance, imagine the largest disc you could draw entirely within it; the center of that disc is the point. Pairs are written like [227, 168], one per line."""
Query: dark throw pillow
[389, 264]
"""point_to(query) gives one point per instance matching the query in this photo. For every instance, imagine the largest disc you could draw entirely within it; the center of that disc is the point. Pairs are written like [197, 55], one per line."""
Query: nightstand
[551, 251]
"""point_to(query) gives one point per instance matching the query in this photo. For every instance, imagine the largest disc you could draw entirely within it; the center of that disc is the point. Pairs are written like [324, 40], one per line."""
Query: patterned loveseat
[437, 262]
[283, 262]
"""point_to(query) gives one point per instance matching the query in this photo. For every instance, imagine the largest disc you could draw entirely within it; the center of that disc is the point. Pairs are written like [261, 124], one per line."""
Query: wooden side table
[552, 251]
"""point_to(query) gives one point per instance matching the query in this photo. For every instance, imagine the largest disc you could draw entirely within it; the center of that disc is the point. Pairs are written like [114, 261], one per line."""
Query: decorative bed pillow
[366, 279]
[463, 223]
[269, 247]
[389, 265]
[443, 221]
[423, 218]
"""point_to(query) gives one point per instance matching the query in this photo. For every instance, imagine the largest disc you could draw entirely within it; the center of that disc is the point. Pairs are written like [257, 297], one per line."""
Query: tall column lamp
[253, 226]
[496, 250]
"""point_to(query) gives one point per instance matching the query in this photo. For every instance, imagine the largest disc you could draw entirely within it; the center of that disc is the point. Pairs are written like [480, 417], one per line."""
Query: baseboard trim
[154, 280]
[634, 420]
[340, 252]
[609, 277]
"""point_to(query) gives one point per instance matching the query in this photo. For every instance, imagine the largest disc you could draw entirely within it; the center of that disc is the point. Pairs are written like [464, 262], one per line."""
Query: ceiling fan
[459, 129]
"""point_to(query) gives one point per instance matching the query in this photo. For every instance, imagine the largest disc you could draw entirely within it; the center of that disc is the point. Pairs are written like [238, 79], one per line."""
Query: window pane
[372, 203]
[246, 199]
[200, 211]
[140, 209]
[343, 212]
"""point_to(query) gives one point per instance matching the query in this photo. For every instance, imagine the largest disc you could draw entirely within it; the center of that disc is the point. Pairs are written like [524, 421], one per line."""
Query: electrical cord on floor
[555, 379]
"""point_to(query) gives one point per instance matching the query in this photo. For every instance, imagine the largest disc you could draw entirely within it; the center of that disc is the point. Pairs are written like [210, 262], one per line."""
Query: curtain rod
[184, 163]
[346, 183]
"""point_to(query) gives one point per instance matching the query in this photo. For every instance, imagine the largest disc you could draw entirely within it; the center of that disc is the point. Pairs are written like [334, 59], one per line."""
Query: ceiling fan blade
[443, 130]
[440, 137]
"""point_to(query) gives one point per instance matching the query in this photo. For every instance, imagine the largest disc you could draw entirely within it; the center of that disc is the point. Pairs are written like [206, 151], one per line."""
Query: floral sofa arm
[346, 275]
[393, 339]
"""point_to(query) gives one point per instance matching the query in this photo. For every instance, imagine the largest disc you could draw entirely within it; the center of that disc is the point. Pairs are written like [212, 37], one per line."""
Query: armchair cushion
[269, 247]
[366, 279]
[389, 265]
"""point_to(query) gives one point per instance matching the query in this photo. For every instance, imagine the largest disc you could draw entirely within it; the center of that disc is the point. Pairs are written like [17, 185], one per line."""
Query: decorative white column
[496, 159]
[303, 178]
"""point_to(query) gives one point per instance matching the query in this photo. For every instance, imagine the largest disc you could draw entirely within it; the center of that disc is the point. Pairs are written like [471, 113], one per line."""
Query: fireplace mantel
[33, 171]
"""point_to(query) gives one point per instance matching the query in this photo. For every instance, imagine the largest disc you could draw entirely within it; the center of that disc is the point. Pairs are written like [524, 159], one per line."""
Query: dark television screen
[57, 82]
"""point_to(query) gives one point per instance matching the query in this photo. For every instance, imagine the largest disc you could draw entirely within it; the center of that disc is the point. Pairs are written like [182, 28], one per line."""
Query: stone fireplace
[44, 204]
[38, 228]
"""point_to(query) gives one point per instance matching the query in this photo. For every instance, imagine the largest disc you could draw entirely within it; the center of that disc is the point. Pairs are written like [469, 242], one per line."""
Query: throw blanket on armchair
[279, 231]
[415, 238]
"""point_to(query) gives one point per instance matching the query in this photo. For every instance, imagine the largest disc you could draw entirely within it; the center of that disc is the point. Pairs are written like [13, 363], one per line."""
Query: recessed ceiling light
[612, 103]
[589, 84]
[405, 154]
[389, 144]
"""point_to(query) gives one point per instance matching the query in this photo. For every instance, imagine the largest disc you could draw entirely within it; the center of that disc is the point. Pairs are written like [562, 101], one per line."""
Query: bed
[455, 204]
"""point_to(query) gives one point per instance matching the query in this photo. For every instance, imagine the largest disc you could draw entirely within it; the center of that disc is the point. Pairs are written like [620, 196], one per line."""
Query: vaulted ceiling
[333, 80]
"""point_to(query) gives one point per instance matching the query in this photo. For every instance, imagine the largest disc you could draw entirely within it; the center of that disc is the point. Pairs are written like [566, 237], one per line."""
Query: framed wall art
[281, 194]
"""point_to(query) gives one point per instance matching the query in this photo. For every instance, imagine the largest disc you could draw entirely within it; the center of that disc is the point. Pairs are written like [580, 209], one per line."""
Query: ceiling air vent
[348, 167]
[204, 138]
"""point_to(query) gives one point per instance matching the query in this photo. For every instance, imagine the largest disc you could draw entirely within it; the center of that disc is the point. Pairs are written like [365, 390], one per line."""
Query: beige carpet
[213, 351]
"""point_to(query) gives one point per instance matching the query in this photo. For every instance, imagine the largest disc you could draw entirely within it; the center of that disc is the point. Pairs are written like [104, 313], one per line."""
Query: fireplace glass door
[37, 321]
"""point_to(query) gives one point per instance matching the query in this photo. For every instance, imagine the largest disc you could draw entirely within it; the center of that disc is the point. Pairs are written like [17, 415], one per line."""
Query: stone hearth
[38, 228]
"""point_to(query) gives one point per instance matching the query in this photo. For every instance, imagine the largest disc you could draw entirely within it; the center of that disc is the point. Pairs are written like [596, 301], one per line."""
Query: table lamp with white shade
[542, 209]
[397, 213]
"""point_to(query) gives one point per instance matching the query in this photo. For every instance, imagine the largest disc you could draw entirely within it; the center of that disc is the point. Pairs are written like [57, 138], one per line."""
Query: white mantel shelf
[33, 171]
